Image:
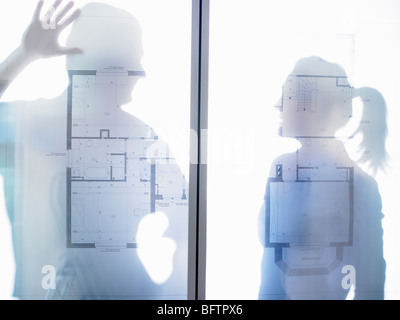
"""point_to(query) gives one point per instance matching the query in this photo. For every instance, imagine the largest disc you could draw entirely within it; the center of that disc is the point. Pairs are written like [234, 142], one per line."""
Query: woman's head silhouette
[317, 101]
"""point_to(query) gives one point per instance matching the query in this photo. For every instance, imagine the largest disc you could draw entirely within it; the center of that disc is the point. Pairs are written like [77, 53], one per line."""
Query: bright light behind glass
[253, 47]
[161, 99]
[166, 60]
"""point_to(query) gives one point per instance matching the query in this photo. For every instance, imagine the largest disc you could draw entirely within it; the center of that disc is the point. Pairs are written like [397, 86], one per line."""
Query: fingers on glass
[54, 7]
[71, 18]
[50, 12]
[38, 10]
[54, 17]
[64, 12]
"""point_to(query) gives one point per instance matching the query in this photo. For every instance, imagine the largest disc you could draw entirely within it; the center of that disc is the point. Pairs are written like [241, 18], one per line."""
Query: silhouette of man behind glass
[106, 37]
[321, 221]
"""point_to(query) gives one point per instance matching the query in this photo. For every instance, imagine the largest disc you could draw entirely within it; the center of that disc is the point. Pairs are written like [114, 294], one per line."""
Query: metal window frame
[198, 170]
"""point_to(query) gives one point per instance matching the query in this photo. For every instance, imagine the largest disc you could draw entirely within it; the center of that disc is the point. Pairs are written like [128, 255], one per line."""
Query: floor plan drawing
[114, 176]
[309, 199]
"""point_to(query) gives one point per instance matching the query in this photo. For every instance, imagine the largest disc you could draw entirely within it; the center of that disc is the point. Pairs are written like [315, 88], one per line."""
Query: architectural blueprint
[309, 199]
[119, 171]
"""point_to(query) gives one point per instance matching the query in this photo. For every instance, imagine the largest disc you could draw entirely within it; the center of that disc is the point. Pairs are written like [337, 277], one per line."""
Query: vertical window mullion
[198, 166]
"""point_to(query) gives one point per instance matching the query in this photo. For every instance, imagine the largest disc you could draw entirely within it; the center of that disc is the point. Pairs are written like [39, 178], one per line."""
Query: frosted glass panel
[95, 154]
[303, 159]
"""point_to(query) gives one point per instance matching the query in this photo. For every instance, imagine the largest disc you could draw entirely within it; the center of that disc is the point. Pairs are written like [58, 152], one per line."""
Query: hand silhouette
[41, 38]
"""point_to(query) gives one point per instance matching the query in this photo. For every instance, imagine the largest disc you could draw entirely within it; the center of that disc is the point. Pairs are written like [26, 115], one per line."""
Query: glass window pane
[95, 153]
[302, 161]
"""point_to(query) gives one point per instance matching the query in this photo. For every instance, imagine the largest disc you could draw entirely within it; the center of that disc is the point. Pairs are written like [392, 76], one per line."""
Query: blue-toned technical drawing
[309, 199]
[115, 175]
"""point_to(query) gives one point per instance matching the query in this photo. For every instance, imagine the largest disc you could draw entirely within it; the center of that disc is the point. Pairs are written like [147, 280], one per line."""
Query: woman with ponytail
[321, 221]
[373, 128]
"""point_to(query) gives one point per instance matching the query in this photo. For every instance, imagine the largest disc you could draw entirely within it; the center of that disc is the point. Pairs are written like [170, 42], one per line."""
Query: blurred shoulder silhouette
[320, 224]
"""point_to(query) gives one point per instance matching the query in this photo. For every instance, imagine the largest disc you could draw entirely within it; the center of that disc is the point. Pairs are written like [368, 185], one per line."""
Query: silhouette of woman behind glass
[109, 38]
[320, 224]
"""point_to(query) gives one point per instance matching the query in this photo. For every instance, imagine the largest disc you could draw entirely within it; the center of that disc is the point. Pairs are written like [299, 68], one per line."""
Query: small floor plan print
[115, 175]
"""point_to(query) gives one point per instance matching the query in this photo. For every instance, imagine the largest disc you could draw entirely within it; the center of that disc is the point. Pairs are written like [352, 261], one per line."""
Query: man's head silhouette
[108, 36]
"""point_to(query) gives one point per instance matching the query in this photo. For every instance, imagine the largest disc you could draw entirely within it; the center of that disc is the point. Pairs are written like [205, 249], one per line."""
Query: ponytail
[373, 128]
